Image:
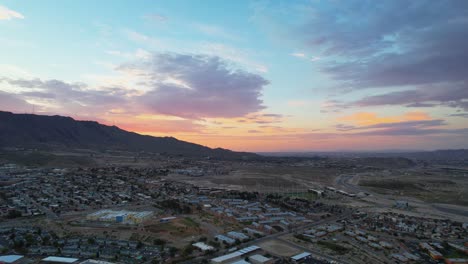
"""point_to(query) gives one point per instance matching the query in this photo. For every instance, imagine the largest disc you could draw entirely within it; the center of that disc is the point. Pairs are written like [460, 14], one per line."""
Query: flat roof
[93, 261]
[259, 258]
[10, 258]
[248, 249]
[241, 262]
[235, 254]
[227, 257]
[60, 259]
[301, 256]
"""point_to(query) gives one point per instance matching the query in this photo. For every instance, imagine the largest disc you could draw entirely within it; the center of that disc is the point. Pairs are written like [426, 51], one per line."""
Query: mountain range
[60, 132]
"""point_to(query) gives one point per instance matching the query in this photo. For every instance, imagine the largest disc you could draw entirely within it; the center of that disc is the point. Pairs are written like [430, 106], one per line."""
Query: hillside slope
[39, 131]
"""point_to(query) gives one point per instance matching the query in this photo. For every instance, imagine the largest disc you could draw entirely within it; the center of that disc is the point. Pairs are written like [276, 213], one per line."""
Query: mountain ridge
[55, 131]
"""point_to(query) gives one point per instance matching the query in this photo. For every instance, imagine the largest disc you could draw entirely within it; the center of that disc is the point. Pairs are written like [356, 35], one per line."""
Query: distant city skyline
[260, 76]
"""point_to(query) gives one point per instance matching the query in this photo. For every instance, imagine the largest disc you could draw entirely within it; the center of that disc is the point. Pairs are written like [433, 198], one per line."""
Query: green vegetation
[14, 214]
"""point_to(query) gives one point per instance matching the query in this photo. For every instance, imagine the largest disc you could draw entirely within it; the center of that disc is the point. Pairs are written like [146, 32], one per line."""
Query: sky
[263, 76]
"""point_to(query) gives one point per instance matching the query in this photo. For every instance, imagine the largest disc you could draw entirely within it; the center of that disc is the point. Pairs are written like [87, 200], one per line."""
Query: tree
[14, 214]
[159, 242]
[172, 251]
[188, 250]
[139, 245]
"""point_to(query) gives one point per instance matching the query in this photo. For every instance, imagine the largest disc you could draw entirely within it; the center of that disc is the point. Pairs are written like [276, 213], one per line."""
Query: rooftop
[60, 259]
[10, 258]
[301, 256]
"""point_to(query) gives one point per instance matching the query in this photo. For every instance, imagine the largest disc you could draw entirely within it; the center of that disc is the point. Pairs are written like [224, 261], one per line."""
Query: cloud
[273, 115]
[239, 56]
[258, 118]
[405, 128]
[214, 31]
[465, 115]
[450, 95]
[424, 43]
[416, 45]
[10, 102]
[155, 18]
[298, 55]
[161, 126]
[369, 118]
[305, 56]
[407, 124]
[63, 96]
[8, 14]
[138, 54]
[197, 86]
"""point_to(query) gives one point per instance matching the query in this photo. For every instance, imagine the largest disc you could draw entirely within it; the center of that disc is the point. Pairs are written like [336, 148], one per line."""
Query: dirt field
[278, 248]
[267, 178]
[434, 186]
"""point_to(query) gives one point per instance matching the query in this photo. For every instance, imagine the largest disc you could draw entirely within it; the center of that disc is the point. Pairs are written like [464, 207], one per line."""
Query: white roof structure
[202, 246]
[301, 256]
[224, 258]
[259, 258]
[241, 262]
[235, 254]
[93, 261]
[248, 249]
[10, 258]
[60, 259]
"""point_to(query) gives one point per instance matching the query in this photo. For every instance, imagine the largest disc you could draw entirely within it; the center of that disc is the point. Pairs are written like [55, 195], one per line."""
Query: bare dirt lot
[434, 186]
[267, 178]
[278, 248]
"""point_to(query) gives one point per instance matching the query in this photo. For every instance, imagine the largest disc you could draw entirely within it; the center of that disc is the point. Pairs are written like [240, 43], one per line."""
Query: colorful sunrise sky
[246, 75]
